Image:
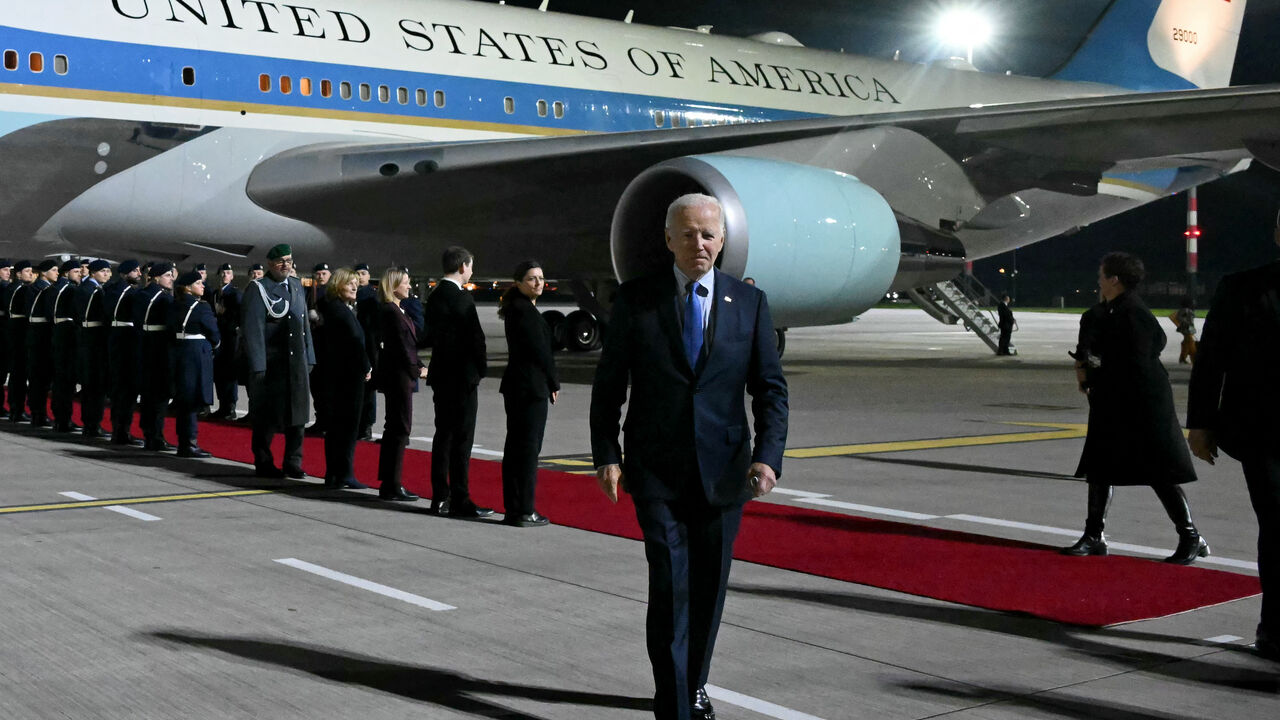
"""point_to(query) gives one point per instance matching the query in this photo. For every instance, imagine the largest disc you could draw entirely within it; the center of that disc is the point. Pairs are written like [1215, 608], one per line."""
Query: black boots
[1190, 544]
[1093, 542]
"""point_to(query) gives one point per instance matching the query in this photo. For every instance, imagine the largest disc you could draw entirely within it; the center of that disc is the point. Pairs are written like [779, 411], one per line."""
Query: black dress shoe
[440, 507]
[223, 414]
[157, 446]
[93, 434]
[354, 484]
[193, 452]
[127, 441]
[19, 417]
[526, 521]
[468, 509]
[1189, 548]
[39, 422]
[268, 471]
[701, 708]
[366, 436]
[399, 494]
[62, 427]
[294, 473]
[1087, 545]
[1265, 647]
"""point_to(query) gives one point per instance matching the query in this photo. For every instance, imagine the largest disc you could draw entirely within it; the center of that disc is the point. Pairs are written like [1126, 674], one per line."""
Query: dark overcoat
[531, 367]
[278, 352]
[40, 331]
[6, 288]
[346, 359]
[151, 309]
[226, 303]
[64, 333]
[1134, 437]
[191, 360]
[18, 305]
[91, 340]
[122, 338]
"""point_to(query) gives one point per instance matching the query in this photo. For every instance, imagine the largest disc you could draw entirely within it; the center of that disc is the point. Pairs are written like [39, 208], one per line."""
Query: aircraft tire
[555, 321]
[582, 331]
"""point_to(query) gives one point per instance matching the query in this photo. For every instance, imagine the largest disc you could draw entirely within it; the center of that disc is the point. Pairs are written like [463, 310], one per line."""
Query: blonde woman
[341, 377]
[399, 369]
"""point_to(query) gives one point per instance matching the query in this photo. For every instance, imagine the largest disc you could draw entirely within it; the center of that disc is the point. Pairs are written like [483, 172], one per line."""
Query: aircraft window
[675, 119]
[365, 92]
[542, 108]
[659, 118]
[509, 104]
[558, 109]
[264, 82]
[286, 84]
[422, 97]
[384, 93]
[344, 89]
[188, 74]
[304, 86]
[326, 88]
[61, 66]
[36, 61]
[402, 95]
[10, 59]
[439, 98]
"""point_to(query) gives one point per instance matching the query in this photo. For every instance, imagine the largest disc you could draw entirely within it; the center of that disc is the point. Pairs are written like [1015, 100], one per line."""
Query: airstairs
[962, 299]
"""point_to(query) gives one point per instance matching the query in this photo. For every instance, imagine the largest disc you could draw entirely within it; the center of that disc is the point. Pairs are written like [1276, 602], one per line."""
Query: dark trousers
[262, 436]
[318, 399]
[451, 445]
[397, 425]
[17, 366]
[40, 376]
[185, 418]
[689, 546]
[526, 424]
[64, 372]
[1262, 474]
[152, 411]
[369, 411]
[224, 371]
[93, 400]
[4, 365]
[1005, 335]
[343, 399]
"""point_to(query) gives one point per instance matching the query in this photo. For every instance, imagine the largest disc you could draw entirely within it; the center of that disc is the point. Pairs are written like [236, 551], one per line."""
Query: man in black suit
[689, 340]
[1006, 324]
[1232, 401]
[458, 361]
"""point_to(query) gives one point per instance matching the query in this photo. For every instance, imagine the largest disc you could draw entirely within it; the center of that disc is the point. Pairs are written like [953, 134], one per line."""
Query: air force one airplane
[210, 130]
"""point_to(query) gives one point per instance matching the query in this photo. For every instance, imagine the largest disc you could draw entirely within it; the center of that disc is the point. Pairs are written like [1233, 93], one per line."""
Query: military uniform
[226, 309]
[367, 314]
[122, 358]
[6, 287]
[64, 353]
[17, 306]
[194, 331]
[150, 311]
[39, 351]
[91, 346]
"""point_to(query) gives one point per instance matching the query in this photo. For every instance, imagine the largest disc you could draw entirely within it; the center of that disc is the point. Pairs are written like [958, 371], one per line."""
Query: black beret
[362, 266]
[159, 268]
[319, 267]
[256, 266]
[200, 266]
[47, 265]
[127, 267]
[190, 278]
[84, 261]
[224, 267]
[21, 265]
[69, 265]
[97, 265]
[4, 263]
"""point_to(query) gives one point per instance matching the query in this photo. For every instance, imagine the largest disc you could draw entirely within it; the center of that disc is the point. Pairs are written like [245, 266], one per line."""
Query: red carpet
[957, 567]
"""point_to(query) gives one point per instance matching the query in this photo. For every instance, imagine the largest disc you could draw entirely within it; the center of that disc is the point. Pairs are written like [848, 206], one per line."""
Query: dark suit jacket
[457, 342]
[1235, 386]
[343, 346]
[687, 426]
[531, 368]
[398, 360]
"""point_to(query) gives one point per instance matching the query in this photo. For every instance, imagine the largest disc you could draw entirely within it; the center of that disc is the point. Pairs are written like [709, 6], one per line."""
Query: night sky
[1033, 37]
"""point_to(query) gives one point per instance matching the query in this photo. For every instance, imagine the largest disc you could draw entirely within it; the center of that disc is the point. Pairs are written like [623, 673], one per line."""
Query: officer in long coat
[40, 343]
[225, 299]
[194, 331]
[122, 351]
[320, 276]
[367, 313]
[64, 345]
[150, 313]
[6, 283]
[279, 355]
[91, 346]
[17, 303]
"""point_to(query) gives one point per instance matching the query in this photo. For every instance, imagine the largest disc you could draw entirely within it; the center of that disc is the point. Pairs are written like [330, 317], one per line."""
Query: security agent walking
[40, 343]
[225, 299]
[17, 307]
[529, 384]
[689, 340]
[122, 351]
[6, 285]
[458, 362]
[91, 346]
[1234, 393]
[194, 332]
[279, 352]
[64, 345]
[150, 316]
[1134, 437]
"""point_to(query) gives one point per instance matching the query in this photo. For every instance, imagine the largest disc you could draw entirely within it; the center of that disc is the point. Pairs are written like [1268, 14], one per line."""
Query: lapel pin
[728, 299]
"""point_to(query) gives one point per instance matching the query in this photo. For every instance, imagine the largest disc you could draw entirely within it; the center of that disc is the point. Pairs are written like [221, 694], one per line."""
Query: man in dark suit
[1006, 324]
[458, 361]
[91, 345]
[225, 299]
[689, 340]
[1232, 401]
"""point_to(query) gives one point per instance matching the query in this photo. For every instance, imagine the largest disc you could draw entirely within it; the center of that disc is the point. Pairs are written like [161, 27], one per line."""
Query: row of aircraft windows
[696, 119]
[286, 85]
[35, 62]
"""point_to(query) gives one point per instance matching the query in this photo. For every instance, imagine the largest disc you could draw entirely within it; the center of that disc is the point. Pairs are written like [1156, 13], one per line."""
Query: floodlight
[963, 27]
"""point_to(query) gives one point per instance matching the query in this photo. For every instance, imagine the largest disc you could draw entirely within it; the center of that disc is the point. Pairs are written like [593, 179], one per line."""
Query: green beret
[279, 251]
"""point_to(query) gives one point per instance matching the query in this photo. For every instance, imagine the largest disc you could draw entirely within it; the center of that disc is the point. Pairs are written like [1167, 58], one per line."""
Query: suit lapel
[721, 307]
[667, 301]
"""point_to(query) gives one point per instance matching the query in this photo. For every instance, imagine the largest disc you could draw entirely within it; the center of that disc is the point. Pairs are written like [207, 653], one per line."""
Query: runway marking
[757, 705]
[799, 493]
[366, 585]
[136, 514]
[570, 462]
[1224, 639]
[868, 509]
[1062, 431]
[475, 449]
[129, 501]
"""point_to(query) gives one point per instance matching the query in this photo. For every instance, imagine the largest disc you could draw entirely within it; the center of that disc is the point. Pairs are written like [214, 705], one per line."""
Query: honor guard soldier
[256, 272]
[195, 337]
[150, 311]
[367, 313]
[6, 284]
[225, 299]
[91, 345]
[279, 352]
[320, 275]
[122, 351]
[17, 304]
[40, 343]
[64, 345]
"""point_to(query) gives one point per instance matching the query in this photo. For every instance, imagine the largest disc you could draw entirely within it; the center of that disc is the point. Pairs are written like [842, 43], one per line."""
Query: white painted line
[1228, 562]
[799, 493]
[475, 449]
[757, 705]
[1014, 524]
[868, 509]
[1223, 639]
[77, 496]
[366, 584]
[138, 514]
[489, 453]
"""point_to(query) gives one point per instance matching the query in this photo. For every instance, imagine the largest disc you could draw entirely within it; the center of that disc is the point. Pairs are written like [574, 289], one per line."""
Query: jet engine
[823, 245]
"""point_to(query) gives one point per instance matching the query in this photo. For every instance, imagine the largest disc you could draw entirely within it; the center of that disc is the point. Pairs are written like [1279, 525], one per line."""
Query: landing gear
[582, 331]
[555, 321]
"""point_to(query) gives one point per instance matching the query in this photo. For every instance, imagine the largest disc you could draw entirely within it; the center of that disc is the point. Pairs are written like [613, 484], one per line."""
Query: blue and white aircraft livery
[210, 130]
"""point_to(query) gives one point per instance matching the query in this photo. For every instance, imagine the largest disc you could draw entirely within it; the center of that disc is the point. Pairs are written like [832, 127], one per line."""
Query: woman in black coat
[398, 371]
[528, 384]
[341, 378]
[194, 332]
[1134, 436]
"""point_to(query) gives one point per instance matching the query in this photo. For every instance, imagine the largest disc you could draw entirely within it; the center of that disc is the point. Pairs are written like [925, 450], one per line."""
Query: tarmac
[251, 599]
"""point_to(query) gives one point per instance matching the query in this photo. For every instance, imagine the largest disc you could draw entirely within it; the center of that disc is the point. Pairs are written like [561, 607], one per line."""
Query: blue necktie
[693, 323]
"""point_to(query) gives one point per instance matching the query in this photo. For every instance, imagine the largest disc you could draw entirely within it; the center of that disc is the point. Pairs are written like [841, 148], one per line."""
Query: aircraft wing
[572, 183]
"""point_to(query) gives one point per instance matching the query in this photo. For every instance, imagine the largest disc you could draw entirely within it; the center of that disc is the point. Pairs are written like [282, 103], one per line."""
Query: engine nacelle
[823, 245]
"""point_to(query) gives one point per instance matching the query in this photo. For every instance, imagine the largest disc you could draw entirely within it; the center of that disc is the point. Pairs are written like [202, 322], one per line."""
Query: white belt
[155, 328]
[62, 320]
[121, 323]
[17, 317]
[189, 336]
[92, 324]
[38, 320]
